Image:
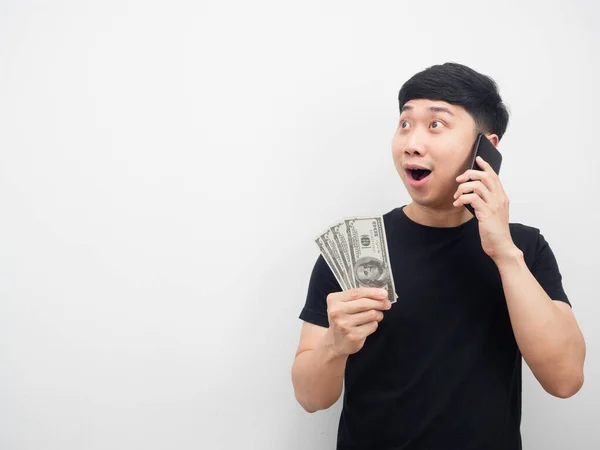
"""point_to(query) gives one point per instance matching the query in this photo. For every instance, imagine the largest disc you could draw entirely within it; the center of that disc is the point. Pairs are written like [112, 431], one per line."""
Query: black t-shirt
[443, 370]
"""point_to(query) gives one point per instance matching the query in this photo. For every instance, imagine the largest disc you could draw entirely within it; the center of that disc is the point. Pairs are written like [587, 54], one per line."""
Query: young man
[441, 368]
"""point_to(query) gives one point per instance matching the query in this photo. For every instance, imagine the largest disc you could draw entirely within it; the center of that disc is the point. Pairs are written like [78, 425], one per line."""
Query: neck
[437, 217]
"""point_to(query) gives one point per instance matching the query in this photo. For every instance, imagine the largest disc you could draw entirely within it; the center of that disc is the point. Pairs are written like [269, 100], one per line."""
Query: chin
[426, 201]
[422, 201]
[422, 198]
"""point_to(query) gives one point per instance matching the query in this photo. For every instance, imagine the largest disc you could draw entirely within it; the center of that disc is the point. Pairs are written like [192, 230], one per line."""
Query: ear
[493, 139]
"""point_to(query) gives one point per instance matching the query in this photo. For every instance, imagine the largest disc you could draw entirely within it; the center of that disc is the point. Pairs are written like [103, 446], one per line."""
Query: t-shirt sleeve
[322, 283]
[546, 271]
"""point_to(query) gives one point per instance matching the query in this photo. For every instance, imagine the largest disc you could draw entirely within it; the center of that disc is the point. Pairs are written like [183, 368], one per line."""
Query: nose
[415, 144]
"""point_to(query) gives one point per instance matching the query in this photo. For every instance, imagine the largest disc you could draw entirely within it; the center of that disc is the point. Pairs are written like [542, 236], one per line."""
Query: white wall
[164, 167]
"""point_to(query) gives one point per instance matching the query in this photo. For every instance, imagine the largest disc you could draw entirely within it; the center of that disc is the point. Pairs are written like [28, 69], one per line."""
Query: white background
[164, 167]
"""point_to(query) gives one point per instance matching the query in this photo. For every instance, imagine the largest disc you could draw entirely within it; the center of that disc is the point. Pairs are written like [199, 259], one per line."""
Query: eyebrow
[438, 109]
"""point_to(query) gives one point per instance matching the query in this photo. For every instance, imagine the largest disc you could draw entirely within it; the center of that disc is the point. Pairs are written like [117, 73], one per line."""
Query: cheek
[457, 165]
[397, 146]
[449, 169]
[397, 154]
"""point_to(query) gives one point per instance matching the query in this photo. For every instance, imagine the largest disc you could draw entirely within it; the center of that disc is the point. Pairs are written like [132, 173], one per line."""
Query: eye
[404, 122]
[434, 122]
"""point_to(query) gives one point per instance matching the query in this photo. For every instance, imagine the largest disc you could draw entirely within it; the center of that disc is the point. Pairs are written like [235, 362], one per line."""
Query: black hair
[460, 85]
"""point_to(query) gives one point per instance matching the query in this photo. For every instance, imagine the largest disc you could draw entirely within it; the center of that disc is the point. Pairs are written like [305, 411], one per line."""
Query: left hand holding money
[483, 190]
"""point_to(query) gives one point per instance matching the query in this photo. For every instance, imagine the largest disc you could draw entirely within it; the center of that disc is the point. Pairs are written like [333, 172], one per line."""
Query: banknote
[324, 243]
[369, 254]
[340, 237]
[356, 251]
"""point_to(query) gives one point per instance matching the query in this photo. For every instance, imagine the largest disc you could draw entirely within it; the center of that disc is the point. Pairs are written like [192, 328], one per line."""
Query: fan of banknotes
[357, 253]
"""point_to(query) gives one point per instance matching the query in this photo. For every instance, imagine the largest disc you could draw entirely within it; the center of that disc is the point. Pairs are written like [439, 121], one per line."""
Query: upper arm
[546, 271]
[310, 336]
[314, 312]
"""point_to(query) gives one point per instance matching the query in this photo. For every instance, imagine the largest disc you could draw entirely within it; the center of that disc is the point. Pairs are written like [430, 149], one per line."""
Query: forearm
[318, 376]
[549, 340]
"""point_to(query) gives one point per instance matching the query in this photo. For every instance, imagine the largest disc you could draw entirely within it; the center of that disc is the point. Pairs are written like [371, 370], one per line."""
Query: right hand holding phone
[354, 315]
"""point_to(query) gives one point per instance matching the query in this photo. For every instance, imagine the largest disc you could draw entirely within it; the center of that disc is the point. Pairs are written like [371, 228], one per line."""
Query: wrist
[330, 349]
[509, 257]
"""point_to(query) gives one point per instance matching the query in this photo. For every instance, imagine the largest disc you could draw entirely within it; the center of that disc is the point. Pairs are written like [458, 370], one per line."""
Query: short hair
[460, 85]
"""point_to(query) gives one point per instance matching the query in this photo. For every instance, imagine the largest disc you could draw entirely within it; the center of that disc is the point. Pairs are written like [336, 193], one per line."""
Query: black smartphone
[484, 148]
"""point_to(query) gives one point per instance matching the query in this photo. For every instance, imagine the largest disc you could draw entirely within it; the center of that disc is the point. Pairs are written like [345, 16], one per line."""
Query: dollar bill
[369, 255]
[324, 244]
[340, 238]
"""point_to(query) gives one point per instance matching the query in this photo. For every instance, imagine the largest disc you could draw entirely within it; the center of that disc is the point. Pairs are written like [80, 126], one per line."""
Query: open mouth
[418, 174]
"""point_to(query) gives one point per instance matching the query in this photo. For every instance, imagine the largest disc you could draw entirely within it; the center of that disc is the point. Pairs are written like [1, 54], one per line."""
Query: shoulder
[540, 259]
[395, 212]
[393, 218]
[530, 240]
[523, 233]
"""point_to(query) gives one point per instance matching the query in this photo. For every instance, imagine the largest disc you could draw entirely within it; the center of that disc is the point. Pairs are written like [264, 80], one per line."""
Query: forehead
[425, 106]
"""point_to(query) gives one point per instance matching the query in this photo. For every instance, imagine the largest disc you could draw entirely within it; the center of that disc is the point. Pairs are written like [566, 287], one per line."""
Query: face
[431, 147]
[368, 272]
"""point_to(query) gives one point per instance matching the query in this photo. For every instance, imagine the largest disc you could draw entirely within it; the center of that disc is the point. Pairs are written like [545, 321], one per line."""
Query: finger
[486, 166]
[472, 175]
[471, 199]
[490, 179]
[367, 328]
[474, 186]
[358, 293]
[494, 177]
[477, 175]
[365, 317]
[365, 304]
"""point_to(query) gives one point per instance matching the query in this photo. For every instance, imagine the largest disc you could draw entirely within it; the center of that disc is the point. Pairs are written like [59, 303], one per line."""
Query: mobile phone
[484, 148]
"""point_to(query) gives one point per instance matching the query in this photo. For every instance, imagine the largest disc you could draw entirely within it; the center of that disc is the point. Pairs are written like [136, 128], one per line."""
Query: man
[441, 368]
